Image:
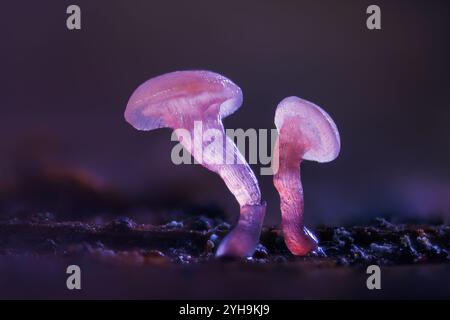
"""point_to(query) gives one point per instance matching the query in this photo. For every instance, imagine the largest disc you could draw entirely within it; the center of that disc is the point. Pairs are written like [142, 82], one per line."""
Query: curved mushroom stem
[288, 183]
[222, 156]
[243, 239]
[238, 176]
[241, 181]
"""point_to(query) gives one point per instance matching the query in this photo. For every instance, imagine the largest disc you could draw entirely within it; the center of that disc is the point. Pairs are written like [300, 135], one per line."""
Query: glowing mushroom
[181, 100]
[305, 132]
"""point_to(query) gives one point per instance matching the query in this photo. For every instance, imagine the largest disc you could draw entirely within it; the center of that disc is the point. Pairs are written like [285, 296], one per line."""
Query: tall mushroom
[305, 132]
[181, 100]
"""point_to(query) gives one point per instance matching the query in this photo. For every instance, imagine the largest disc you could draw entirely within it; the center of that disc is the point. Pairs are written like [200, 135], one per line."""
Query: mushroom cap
[170, 99]
[310, 126]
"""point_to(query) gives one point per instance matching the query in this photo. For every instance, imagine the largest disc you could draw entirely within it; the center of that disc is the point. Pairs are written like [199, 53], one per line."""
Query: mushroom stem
[287, 181]
[240, 180]
[243, 239]
[213, 155]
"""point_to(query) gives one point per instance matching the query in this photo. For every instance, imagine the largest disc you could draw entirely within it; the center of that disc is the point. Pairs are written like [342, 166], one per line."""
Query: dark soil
[159, 252]
[193, 239]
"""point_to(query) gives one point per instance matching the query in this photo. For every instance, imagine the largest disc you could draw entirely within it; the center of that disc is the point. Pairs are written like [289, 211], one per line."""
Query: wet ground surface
[193, 239]
[170, 255]
[175, 260]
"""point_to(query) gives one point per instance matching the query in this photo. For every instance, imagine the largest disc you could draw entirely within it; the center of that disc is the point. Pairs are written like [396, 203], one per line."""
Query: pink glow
[306, 132]
[176, 100]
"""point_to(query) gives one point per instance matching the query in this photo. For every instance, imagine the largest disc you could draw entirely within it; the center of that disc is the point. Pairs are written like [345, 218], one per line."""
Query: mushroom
[181, 100]
[305, 132]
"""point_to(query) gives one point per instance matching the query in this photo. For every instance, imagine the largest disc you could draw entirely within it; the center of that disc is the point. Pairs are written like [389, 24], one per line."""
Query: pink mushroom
[179, 100]
[305, 132]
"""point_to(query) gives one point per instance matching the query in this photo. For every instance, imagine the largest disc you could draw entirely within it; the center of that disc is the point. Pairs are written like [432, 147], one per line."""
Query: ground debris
[191, 239]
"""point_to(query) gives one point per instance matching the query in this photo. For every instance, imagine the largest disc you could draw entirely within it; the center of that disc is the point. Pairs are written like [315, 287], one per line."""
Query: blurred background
[63, 138]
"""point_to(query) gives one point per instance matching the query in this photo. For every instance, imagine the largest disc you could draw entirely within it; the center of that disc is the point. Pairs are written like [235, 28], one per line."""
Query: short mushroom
[179, 100]
[305, 132]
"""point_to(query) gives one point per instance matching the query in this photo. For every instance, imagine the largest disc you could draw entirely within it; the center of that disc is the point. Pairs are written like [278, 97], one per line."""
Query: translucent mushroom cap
[310, 127]
[178, 98]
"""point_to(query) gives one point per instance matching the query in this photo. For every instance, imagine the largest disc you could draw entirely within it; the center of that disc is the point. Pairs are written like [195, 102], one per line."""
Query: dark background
[63, 94]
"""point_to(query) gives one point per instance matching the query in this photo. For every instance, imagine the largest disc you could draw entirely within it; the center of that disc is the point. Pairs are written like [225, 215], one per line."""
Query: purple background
[63, 95]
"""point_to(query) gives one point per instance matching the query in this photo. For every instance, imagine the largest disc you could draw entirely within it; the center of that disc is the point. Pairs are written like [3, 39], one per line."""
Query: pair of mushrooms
[177, 100]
